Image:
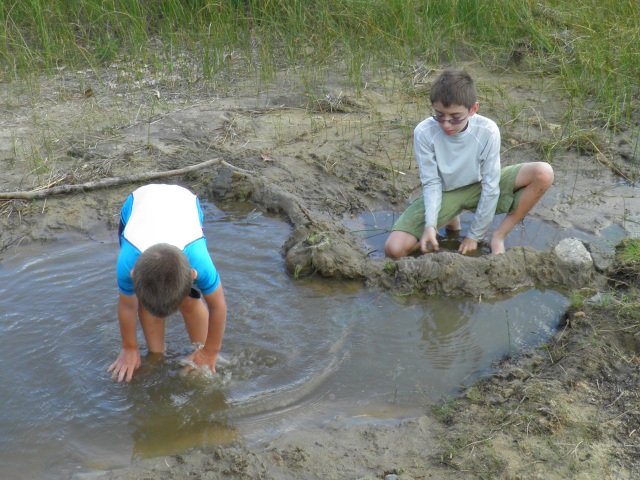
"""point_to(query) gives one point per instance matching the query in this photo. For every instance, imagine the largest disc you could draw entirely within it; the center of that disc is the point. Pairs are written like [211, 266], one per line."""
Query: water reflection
[295, 352]
[515, 321]
[442, 337]
[414, 349]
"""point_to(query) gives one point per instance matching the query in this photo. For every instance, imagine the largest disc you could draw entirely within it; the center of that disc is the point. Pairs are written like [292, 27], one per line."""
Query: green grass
[589, 44]
[628, 253]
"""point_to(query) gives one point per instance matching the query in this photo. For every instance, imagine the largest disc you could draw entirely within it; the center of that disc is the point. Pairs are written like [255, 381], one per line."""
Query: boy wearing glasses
[458, 155]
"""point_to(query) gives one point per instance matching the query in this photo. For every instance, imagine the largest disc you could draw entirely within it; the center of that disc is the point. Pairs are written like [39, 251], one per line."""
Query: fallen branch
[110, 182]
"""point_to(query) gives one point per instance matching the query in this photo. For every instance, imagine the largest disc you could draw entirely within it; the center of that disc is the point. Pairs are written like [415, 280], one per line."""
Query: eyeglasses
[452, 120]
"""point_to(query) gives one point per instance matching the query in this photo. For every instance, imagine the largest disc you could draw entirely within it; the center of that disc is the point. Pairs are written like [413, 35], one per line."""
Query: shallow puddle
[373, 227]
[296, 352]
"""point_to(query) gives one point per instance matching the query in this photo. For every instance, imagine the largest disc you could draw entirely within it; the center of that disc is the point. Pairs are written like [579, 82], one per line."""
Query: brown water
[296, 352]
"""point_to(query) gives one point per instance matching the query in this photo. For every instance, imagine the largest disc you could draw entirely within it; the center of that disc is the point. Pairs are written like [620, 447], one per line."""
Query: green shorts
[463, 198]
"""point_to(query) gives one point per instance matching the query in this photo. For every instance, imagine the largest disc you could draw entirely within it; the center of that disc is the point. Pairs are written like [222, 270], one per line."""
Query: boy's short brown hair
[162, 279]
[453, 87]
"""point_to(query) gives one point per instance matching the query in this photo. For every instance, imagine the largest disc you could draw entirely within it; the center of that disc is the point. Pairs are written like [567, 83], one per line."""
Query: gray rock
[572, 253]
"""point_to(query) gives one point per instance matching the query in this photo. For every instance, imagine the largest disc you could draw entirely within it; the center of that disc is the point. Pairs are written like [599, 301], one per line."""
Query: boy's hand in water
[127, 362]
[202, 357]
[429, 238]
[468, 245]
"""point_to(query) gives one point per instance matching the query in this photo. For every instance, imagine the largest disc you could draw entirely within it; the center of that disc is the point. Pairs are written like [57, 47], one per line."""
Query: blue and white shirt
[170, 214]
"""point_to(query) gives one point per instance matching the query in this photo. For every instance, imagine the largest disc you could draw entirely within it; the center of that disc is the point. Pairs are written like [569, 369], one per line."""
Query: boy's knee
[399, 244]
[189, 305]
[392, 250]
[544, 175]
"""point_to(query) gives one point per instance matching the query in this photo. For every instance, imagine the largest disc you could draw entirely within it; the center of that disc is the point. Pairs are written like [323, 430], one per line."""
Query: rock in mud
[572, 253]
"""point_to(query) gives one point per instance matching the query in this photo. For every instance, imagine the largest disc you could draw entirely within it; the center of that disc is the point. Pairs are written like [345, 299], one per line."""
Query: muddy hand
[468, 245]
[429, 237]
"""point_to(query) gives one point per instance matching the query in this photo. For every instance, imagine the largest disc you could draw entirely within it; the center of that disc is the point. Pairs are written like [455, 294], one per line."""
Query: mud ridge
[321, 245]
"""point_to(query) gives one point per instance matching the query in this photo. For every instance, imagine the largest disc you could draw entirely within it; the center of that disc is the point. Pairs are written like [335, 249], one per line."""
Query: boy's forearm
[129, 335]
[127, 319]
[217, 320]
[483, 219]
[217, 323]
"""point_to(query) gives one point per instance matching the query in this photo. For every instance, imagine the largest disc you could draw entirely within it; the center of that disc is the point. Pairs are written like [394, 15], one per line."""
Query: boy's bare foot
[454, 224]
[497, 245]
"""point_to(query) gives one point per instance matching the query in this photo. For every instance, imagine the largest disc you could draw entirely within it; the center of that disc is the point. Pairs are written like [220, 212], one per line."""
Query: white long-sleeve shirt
[450, 162]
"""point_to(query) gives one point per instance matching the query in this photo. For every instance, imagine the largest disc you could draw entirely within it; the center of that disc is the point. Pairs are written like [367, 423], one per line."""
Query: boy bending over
[458, 155]
[163, 252]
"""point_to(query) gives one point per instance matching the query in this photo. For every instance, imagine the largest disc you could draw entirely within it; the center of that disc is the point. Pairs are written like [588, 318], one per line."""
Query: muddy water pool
[296, 352]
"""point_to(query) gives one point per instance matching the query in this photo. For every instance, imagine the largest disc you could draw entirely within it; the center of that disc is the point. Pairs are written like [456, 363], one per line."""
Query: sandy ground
[319, 153]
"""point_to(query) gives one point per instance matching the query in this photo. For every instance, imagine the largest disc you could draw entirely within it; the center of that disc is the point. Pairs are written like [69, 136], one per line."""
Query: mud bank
[320, 246]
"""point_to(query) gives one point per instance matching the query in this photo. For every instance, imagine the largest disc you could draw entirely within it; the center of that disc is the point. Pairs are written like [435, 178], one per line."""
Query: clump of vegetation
[625, 278]
[627, 264]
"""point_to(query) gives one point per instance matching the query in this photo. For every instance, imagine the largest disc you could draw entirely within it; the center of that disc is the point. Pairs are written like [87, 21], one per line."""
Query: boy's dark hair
[453, 87]
[162, 279]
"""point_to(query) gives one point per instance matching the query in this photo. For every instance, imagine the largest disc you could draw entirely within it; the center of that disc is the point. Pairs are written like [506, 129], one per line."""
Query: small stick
[113, 181]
